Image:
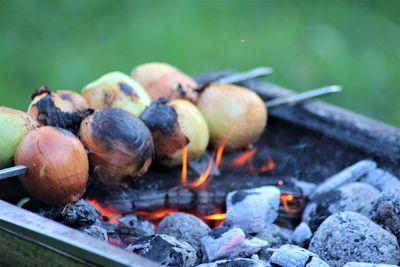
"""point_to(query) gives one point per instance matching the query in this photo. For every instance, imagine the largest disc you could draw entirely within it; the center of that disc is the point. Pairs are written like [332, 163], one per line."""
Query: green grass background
[67, 44]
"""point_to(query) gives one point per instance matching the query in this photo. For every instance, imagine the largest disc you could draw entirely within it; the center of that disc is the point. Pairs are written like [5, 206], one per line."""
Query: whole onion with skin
[233, 112]
[175, 124]
[14, 125]
[43, 101]
[120, 145]
[116, 90]
[162, 80]
[57, 165]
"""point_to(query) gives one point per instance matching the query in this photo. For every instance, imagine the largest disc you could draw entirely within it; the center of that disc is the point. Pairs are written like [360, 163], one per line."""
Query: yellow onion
[162, 80]
[14, 125]
[233, 113]
[175, 124]
[44, 102]
[116, 90]
[57, 165]
[120, 145]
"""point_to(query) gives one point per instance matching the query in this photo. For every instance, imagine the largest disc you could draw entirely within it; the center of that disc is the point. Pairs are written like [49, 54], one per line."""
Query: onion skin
[233, 109]
[120, 145]
[14, 125]
[162, 80]
[193, 126]
[116, 90]
[57, 163]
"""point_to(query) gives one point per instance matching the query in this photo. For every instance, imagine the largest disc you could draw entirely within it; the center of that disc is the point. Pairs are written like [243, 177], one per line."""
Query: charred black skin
[160, 117]
[111, 126]
[49, 114]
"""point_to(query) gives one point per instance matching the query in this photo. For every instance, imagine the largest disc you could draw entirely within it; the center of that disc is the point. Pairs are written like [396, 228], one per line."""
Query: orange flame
[286, 199]
[155, 215]
[243, 158]
[203, 177]
[111, 215]
[267, 166]
[184, 166]
[221, 147]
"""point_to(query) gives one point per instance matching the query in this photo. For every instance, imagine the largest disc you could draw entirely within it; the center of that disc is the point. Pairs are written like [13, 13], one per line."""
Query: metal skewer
[289, 100]
[13, 171]
[299, 98]
[244, 76]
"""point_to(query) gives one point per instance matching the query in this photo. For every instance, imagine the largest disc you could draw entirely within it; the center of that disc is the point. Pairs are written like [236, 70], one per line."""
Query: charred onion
[119, 144]
[175, 124]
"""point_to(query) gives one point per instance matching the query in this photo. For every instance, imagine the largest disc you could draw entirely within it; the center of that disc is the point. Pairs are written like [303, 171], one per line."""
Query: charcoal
[236, 262]
[252, 209]
[348, 236]
[96, 232]
[385, 211]
[81, 213]
[348, 175]
[294, 256]
[355, 197]
[131, 227]
[165, 250]
[363, 264]
[225, 242]
[381, 179]
[274, 235]
[185, 227]
[301, 236]
[76, 215]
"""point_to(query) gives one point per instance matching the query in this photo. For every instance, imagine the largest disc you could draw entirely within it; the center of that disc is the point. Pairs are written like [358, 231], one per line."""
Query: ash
[352, 219]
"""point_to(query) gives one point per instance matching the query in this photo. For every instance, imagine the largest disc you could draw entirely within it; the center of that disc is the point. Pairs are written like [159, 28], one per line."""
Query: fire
[269, 165]
[111, 215]
[221, 147]
[184, 166]
[244, 158]
[156, 215]
[286, 199]
[203, 177]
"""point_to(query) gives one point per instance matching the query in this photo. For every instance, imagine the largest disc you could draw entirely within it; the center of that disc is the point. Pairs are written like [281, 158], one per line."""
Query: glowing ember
[244, 158]
[184, 166]
[267, 166]
[156, 215]
[215, 216]
[108, 213]
[203, 177]
[286, 199]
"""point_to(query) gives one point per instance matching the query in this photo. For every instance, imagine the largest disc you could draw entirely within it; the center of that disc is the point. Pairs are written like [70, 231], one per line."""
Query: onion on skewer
[175, 124]
[116, 90]
[235, 111]
[14, 125]
[120, 145]
[57, 165]
[162, 80]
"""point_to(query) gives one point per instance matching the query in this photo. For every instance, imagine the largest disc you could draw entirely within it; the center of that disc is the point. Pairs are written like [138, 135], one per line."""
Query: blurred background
[67, 44]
